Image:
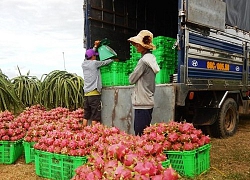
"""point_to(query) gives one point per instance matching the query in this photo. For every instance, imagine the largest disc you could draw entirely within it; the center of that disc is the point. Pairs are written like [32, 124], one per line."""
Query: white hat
[144, 38]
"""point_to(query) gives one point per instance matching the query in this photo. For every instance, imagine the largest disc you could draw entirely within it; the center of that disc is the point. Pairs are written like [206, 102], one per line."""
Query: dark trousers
[142, 119]
[92, 107]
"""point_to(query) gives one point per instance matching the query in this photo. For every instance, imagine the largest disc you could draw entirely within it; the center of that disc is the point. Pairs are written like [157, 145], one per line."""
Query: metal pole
[64, 61]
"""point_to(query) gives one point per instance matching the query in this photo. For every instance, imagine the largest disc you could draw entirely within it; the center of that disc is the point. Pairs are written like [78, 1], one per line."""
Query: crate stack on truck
[166, 56]
[117, 73]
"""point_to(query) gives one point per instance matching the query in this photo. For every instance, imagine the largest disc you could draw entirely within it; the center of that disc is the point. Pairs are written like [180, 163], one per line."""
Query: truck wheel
[228, 119]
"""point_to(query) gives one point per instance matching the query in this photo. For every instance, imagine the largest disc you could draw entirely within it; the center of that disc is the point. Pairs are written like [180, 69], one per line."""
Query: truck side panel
[214, 59]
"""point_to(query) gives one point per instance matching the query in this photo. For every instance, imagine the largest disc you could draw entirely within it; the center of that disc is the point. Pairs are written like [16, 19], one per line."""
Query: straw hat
[144, 38]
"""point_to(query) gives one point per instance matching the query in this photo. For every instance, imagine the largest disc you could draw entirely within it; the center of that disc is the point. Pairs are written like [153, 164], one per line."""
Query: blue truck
[210, 85]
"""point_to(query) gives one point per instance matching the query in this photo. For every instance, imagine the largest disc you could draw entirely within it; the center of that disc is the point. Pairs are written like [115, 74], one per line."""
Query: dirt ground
[229, 160]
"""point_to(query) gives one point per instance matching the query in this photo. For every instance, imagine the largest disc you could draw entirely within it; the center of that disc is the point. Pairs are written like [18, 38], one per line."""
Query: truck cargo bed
[119, 20]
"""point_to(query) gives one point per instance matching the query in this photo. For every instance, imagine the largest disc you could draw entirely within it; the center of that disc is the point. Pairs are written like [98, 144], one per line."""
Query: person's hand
[97, 43]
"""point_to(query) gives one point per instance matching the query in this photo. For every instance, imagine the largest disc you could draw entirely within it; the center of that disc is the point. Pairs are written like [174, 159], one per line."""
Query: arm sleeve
[137, 73]
[94, 48]
[103, 63]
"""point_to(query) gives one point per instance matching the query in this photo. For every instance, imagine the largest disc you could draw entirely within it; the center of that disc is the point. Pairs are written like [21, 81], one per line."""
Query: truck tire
[228, 119]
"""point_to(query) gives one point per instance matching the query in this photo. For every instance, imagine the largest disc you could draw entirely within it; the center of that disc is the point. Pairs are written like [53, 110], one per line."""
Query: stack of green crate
[126, 73]
[134, 57]
[166, 57]
[132, 62]
[117, 73]
[113, 74]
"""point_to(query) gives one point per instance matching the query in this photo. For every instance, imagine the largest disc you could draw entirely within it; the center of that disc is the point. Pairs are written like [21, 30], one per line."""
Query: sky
[40, 36]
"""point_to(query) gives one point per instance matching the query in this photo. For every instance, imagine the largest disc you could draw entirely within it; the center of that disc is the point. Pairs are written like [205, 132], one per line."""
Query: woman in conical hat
[143, 77]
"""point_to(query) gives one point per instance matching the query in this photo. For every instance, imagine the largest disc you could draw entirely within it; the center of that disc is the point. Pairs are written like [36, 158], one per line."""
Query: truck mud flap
[205, 116]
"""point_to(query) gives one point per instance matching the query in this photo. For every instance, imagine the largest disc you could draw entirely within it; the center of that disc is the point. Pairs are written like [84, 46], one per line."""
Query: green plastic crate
[162, 76]
[163, 42]
[29, 152]
[10, 151]
[203, 161]
[190, 163]
[113, 74]
[166, 163]
[114, 78]
[57, 166]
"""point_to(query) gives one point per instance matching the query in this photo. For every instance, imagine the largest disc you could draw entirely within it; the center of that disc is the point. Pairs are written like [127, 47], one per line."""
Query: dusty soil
[229, 159]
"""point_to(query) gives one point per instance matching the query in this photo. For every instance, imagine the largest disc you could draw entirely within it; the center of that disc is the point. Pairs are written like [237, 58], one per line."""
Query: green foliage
[27, 89]
[60, 88]
[8, 97]
[56, 89]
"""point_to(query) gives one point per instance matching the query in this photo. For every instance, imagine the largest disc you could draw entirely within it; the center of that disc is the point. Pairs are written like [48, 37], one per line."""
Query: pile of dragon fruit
[111, 153]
